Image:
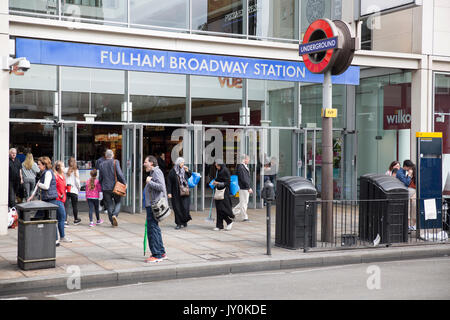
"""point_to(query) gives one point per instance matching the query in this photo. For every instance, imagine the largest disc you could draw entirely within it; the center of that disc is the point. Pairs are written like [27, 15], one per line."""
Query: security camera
[16, 65]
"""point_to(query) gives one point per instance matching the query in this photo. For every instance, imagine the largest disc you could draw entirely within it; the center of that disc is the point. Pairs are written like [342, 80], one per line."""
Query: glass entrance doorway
[309, 163]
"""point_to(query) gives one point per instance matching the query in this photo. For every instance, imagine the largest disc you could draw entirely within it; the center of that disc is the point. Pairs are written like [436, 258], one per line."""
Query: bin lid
[36, 205]
[298, 185]
[389, 184]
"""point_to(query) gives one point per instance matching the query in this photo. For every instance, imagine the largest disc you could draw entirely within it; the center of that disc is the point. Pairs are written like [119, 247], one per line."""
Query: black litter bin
[36, 248]
[292, 218]
[387, 214]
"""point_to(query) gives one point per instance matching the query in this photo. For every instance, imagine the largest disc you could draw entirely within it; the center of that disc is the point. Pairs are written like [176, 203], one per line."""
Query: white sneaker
[216, 229]
[66, 239]
[228, 227]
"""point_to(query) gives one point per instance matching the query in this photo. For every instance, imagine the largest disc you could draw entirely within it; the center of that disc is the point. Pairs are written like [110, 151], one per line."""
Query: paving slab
[111, 255]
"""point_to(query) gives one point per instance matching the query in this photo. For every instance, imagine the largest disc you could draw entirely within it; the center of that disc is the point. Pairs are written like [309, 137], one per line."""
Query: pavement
[103, 255]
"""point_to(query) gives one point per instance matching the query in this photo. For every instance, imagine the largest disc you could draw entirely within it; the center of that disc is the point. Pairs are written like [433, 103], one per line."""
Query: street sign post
[327, 48]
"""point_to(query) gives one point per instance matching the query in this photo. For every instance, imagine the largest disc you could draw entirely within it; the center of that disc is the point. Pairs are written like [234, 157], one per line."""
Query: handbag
[184, 189]
[161, 209]
[120, 189]
[219, 194]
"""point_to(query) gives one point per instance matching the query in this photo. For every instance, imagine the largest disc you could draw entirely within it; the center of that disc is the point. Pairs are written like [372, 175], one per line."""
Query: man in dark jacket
[15, 177]
[244, 179]
[107, 181]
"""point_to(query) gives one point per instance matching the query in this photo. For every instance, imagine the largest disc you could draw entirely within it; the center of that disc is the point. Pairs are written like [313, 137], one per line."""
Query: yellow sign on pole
[329, 113]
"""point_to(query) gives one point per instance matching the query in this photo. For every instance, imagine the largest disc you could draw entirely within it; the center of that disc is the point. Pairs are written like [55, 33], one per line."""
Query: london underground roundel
[327, 46]
[318, 31]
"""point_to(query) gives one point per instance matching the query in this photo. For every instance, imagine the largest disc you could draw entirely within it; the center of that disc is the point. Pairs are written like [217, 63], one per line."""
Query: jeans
[60, 216]
[93, 205]
[154, 235]
[112, 203]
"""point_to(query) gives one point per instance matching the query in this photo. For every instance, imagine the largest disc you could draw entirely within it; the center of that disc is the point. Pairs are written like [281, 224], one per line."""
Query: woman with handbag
[178, 191]
[155, 191]
[222, 197]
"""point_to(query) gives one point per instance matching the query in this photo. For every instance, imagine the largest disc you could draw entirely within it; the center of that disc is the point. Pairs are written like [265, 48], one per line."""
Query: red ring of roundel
[325, 27]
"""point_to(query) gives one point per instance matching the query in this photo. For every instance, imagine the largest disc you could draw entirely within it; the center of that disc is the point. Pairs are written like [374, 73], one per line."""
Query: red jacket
[61, 187]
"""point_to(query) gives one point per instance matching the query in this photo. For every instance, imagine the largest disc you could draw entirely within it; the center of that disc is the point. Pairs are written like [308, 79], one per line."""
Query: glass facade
[383, 121]
[92, 91]
[272, 20]
[442, 122]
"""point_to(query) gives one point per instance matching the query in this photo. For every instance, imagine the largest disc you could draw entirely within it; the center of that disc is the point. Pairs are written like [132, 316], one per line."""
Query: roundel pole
[328, 49]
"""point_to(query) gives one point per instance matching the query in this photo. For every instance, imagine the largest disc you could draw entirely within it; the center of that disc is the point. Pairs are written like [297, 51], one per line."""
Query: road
[408, 279]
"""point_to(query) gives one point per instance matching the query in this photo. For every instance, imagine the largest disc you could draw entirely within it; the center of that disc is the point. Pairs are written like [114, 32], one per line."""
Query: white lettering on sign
[131, 59]
[399, 118]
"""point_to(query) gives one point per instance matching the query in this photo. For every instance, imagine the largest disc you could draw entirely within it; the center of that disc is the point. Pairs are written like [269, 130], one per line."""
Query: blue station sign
[123, 58]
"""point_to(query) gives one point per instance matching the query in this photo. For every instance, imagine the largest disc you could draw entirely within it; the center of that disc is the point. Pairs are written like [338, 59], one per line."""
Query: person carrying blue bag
[222, 197]
[178, 191]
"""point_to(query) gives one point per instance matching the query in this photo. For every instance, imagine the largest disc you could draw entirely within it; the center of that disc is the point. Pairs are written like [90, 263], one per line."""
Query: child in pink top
[93, 189]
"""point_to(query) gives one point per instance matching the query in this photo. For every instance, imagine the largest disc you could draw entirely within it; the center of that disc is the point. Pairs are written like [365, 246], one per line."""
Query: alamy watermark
[374, 280]
[74, 280]
[260, 144]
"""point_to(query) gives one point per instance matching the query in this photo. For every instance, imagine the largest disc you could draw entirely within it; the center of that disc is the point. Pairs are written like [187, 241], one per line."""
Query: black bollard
[268, 195]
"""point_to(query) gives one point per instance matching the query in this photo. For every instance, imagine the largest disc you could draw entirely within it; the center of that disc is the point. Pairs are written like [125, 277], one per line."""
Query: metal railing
[371, 223]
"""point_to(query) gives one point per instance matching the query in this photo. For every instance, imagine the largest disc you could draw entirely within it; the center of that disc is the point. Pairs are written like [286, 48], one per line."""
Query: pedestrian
[394, 172]
[73, 186]
[176, 184]
[223, 207]
[162, 162]
[93, 190]
[98, 162]
[109, 170]
[405, 176]
[244, 180]
[61, 189]
[155, 189]
[15, 177]
[29, 171]
[412, 199]
[49, 193]
[392, 166]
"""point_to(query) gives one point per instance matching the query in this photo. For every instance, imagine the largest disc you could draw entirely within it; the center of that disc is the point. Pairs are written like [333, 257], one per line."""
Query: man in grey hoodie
[154, 190]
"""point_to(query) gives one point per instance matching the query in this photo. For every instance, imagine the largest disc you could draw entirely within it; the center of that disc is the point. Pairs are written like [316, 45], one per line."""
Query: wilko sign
[397, 107]
[400, 119]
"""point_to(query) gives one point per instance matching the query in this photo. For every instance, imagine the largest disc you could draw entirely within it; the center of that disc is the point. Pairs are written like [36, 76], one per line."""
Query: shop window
[216, 100]
[169, 13]
[92, 92]
[273, 19]
[33, 95]
[224, 16]
[442, 109]
[49, 7]
[158, 97]
[99, 10]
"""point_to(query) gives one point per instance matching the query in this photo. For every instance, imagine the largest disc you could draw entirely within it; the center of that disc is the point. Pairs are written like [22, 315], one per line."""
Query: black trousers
[12, 194]
[74, 200]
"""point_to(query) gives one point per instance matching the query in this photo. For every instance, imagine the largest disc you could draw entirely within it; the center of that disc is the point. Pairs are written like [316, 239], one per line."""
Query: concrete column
[422, 79]
[4, 119]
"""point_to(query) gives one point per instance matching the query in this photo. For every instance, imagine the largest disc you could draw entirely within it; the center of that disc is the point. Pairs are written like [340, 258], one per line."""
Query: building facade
[207, 79]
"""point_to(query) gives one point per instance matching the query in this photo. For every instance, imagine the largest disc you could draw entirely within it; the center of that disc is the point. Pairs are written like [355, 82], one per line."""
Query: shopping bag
[194, 179]
[234, 185]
